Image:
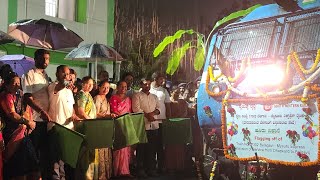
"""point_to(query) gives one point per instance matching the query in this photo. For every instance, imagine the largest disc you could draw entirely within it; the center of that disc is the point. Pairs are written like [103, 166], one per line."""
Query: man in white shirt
[61, 99]
[61, 110]
[147, 103]
[36, 79]
[165, 111]
[34, 85]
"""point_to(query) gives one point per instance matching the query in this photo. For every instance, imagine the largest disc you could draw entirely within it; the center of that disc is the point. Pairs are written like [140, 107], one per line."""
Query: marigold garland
[314, 66]
[291, 58]
[213, 170]
[210, 71]
[210, 93]
[299, 71]
[287, 98]
[244, 64]
[315, 88]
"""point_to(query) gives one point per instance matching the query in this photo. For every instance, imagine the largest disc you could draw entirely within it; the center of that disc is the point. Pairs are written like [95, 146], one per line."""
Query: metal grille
[255, 41]
[301, 33]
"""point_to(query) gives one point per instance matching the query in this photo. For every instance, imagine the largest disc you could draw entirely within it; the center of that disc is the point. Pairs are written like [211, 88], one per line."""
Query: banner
[285, 133]
[177, 131]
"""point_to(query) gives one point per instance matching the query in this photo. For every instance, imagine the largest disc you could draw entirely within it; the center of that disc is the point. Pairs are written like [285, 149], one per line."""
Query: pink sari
[121, 157]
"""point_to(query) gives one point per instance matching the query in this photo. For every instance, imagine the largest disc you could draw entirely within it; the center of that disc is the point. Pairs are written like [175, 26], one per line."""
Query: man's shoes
[142, 174]
[153, 174]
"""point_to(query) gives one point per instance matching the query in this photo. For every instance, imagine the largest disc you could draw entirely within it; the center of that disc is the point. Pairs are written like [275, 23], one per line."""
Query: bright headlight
[266, 75]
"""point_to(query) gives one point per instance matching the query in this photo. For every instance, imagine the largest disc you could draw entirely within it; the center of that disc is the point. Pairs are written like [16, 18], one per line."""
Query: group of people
[31, 105]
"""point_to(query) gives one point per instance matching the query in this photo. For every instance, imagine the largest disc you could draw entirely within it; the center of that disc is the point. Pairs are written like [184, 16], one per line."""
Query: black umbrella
[5, 38]
[44, 33]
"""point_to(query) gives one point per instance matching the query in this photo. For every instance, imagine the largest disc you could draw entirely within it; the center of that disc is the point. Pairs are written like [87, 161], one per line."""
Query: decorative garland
[244, 65]
[314, 66]
[297, 65]
[212, 94]
[210, 70]
[213, 170]
[224, 129]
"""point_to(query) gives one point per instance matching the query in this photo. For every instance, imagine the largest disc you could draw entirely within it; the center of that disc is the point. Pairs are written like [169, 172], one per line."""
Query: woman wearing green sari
[86, 109]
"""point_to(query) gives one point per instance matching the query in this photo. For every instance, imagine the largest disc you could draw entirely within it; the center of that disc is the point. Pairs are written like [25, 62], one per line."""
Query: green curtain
[177, 131]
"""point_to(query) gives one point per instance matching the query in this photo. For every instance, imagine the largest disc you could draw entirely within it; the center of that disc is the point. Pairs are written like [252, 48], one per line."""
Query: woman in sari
[85, 104]
[121, 104]
[103, 111]
[86, 109]
[20, 160]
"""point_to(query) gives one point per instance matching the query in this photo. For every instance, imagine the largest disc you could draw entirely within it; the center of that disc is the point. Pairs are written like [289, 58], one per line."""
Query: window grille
[301, 33]
[256, 41]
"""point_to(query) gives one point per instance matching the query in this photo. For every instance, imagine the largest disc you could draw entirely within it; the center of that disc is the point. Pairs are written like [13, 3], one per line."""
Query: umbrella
[20, 63]
[5, 38]
[94, 53]
[44, 33]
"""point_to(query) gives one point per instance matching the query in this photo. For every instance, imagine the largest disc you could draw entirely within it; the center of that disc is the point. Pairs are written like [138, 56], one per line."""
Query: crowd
[29, 105]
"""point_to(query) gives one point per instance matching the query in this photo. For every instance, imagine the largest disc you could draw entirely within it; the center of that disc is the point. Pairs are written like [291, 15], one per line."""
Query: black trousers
[146, 152]
[39, 138]
[160, 149]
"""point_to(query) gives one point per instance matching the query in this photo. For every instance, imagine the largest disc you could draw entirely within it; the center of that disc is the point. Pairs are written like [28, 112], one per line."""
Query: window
[51, 8]
[65, 9]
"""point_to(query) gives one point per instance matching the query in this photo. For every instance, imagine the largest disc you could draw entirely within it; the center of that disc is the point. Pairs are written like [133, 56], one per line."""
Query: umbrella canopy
[20, 63]
[44, 33]
[94, 52]
[5, 38]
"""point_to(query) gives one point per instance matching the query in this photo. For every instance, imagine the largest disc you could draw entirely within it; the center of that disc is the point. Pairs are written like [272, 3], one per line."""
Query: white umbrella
[94, 53]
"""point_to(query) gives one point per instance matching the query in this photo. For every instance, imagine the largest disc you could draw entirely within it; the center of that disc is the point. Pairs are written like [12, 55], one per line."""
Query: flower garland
[244, 65]
[315, 88]
[296, 67]
[291, 90]
[224, 129]
[214, 79]
[306, 89]
[213, 170]
[212, 94]
[314, 66]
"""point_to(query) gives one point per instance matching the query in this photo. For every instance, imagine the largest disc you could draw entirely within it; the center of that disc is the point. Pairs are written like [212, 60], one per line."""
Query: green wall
[81, 11]
[56, 57]
[12, 11]
[110, 23]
